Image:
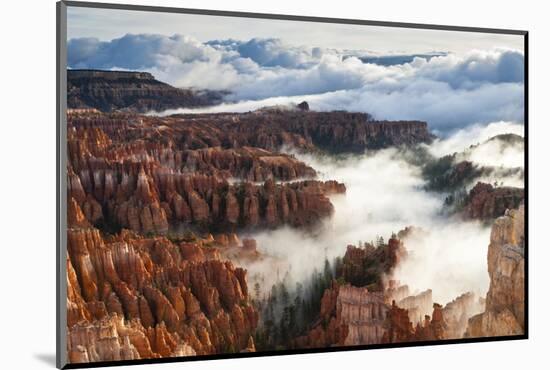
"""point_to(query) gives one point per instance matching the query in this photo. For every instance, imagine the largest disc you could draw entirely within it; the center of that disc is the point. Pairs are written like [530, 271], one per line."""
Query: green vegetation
[289, 310]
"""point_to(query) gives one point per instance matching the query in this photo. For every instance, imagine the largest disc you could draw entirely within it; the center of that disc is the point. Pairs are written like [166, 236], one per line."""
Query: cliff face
[457, 313]
[132, 297]
[349, 316]
[504, 312]
[417, 306]
[486, 202]
[363, 312]
[356, 316]
[132, 91]
[112, 339]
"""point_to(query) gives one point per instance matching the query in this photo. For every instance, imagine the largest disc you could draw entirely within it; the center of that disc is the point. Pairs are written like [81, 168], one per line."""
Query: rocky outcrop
[247, 163]
[418, 318]
[505, 303]
[417, 306]
[108, 147]
[112, 338]
[486, 202]
[457, 313]
[303, 106]
[357, 316]
[369, 264]
[353, 309]
[153, 201]
[132, 297]
[132, 91]
[400, 329]
[349, 316]
[420, 312]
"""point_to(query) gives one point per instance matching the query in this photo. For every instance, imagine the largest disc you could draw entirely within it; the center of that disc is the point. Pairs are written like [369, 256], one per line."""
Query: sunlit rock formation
[505, 303]
[132, 297]
[349, 316]
[122, 178]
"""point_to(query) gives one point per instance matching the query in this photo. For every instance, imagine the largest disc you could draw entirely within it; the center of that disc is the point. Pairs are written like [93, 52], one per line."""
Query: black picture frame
[61, 165]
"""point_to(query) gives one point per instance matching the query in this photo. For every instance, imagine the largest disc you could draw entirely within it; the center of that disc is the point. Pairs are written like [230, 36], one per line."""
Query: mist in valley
[385, 194]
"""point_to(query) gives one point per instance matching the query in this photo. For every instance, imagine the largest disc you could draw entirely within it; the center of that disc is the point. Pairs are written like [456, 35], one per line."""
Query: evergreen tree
[257, 291]
[327, 272]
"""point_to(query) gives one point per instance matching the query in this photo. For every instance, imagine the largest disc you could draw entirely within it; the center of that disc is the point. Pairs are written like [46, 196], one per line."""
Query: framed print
[236, 184]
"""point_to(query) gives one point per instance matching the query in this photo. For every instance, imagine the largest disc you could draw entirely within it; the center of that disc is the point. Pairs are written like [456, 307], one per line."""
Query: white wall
[27, 132]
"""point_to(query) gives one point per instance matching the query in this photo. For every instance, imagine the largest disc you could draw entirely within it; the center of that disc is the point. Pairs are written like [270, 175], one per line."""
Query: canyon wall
[349, 316]
[505, 303]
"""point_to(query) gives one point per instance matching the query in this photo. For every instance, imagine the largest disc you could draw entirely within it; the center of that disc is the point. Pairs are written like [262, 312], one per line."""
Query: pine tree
[257, 291]
[327, 272]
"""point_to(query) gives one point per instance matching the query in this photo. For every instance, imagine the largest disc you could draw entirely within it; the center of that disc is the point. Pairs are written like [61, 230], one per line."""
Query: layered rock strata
[132, 297]
[134, 91]
[124, 176]
[336, 132]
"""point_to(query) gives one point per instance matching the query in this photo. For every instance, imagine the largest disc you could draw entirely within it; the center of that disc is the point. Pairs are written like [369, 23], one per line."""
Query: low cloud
[477, 67]
[476, 134]
[450, 259]
[446, 110]
[448, 91]
[385, 194]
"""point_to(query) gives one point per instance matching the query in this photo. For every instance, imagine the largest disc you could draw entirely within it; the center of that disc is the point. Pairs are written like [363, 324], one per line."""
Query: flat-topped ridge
[109, 75]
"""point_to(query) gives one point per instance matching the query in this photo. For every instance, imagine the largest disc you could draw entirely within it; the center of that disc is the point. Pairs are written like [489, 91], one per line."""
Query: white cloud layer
[448, 91]
[449, 257]
[473, 135]
[450, 260]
